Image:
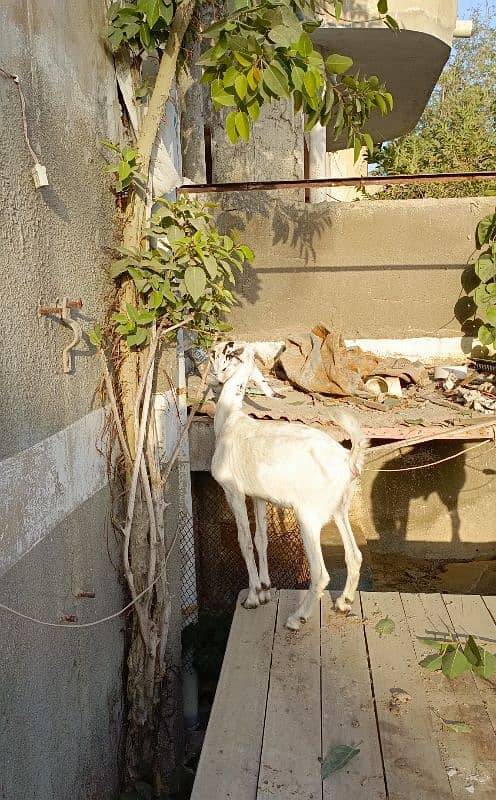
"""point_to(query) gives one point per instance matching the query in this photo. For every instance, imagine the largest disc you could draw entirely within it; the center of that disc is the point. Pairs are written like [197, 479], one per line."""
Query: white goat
[290, 465]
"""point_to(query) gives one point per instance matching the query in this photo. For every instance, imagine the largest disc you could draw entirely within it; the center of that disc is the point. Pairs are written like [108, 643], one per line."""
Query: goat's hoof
[293, 623]
[264, 596]
[342, 605]
[252, 601]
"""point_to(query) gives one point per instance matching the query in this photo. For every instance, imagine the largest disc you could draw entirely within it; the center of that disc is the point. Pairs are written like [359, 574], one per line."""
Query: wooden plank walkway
[285, 698]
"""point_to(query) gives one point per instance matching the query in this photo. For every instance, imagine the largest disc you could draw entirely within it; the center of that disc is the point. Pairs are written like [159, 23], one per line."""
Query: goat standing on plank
[290, 465]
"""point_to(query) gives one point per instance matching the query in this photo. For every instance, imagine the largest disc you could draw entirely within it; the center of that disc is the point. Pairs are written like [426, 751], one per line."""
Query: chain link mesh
[221, 571]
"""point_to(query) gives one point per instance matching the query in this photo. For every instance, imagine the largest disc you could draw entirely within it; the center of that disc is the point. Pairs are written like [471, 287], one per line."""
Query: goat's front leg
[261, 545]
[319, 577]
[237, 503]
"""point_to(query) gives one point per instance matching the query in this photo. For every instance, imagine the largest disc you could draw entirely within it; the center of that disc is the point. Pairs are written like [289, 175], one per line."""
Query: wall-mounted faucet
[64, 313]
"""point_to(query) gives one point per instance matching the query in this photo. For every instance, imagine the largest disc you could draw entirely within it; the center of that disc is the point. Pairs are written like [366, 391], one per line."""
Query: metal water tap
[64, 313]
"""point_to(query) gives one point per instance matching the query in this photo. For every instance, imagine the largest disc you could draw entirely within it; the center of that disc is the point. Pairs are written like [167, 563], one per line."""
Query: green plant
[183, 270]
[480, 285]
[143, 26]
[261, 52]
[453, 658]
[126, 169]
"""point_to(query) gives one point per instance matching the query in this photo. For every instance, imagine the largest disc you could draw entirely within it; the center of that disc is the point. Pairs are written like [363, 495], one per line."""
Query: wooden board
[348, 713]
[412, 762]
[290, 767]
[490, 603]
[469, 614]
[465, 755]
[228, 767]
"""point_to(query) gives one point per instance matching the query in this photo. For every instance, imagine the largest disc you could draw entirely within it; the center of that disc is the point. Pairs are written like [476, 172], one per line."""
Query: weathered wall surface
[372, 269]
[60, 690]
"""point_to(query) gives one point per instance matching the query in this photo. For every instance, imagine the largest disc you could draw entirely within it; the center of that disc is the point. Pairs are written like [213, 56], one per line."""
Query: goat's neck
[231, 397]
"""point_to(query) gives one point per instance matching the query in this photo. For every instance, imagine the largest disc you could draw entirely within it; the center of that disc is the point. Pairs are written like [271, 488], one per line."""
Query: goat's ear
[238, 352]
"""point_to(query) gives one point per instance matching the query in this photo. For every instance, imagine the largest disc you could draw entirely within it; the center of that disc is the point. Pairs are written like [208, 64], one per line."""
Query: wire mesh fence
[221, 571]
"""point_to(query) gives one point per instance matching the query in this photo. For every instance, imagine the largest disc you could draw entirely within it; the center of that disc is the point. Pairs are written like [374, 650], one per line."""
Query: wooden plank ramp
[284, 699]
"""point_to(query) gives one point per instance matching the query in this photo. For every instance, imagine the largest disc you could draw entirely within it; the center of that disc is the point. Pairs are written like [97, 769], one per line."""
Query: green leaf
[338, 64]
[254, 110]
[357, 148]
[472, 653]
[391, 23]
[310, 83]
[481, 296]
[486, 229]
[118, 267]
[305, 46]
[486, 334]
[195, 281]
[337, 758]
[382, 6]
[95, 336]
[151, 8]
[338, 9]
[137, 338]
[454, 663]
[367, 138]
[155, 299]
[491, 315]
[219, 94]
[241, 86]
[488, 666]
[385, 626]
[458, 727]
[485, 267]
[388, 97]
[124, 170]
[242, 125]
[381, 103]
[437, 644]
[283, 35]
[210, 265]
[228, 243]
[231, 127]
[274, 81]
[145, 35]
[432, 662]
[247, 252]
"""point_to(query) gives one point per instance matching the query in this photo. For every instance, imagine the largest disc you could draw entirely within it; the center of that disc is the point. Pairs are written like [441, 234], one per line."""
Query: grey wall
[371, 268]
[60, 691]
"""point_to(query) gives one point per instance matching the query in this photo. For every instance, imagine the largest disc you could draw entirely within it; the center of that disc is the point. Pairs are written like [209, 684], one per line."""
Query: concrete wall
[373, 269]
[61, 690]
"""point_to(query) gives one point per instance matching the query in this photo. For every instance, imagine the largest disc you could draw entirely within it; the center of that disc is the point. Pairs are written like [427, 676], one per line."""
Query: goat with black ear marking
[289, 465]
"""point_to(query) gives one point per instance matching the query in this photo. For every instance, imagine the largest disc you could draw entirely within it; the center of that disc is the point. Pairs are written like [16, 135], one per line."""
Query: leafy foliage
[185, 271]
[453, 659]
[480, 284]
[457, 132]
[142, 26]
[385, 626]
[263, 52]
[337, 758]
[126, 169]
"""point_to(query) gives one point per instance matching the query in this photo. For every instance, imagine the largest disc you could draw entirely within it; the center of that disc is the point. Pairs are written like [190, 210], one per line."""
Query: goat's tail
[359, 442]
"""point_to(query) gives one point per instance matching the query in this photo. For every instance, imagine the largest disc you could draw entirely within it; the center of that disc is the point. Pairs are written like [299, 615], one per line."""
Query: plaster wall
[61, 690]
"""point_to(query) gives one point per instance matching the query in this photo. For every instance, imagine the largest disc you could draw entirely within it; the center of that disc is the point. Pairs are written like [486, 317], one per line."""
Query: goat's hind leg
[353, 558]
[237, 503]
[319, 577]
[261, 545]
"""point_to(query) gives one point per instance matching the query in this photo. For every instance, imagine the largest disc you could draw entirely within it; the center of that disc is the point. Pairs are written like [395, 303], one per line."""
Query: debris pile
[476, 390]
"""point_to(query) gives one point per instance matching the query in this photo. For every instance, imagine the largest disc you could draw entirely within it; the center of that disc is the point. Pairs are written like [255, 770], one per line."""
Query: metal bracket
[64, 313]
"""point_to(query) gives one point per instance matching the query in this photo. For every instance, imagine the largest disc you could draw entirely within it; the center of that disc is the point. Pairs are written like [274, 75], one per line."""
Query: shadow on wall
[392, 494]
[297, 225]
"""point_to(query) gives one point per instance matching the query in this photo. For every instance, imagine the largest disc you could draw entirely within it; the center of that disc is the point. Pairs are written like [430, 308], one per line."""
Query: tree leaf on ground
[454, 663]
[472, 652]
[385, 626]
[458, 727]
[432, 662]
[337, 758]
[488, 666]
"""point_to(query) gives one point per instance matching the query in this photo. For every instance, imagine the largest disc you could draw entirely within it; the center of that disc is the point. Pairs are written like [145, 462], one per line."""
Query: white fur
[290, 465]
